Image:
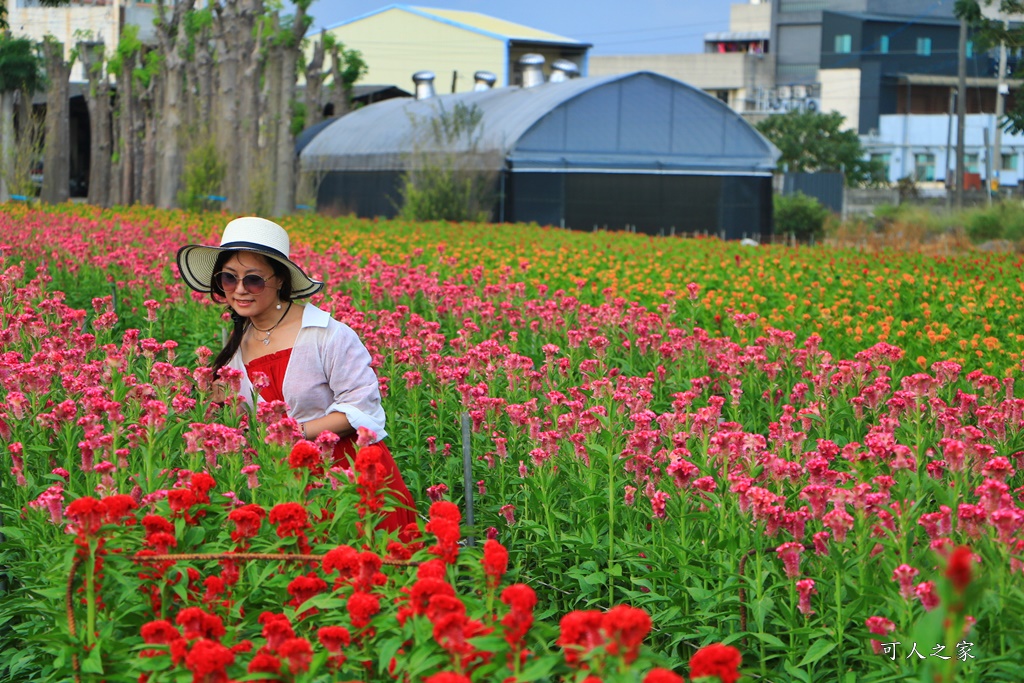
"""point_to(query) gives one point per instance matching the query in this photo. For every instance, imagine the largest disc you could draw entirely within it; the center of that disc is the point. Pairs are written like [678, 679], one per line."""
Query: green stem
[611, 525]
[90, 595]
[839, 616]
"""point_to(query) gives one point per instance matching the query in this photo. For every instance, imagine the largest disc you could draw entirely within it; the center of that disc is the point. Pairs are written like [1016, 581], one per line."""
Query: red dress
[275, 365]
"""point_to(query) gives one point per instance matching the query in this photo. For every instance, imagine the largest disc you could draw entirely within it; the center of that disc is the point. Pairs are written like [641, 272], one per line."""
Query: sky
[612, 26]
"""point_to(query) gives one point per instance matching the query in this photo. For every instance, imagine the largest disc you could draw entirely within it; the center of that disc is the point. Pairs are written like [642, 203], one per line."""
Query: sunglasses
[254, 284]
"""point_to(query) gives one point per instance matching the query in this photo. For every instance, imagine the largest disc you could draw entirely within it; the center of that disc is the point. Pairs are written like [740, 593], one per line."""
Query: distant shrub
[801, 215]
[204, 173]
[984, 224]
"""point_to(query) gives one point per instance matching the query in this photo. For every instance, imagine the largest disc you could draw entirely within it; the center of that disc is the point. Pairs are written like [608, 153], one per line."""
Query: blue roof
[637, 122]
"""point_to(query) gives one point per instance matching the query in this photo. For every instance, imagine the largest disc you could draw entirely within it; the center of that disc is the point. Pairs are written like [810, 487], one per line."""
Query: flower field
[810, 455]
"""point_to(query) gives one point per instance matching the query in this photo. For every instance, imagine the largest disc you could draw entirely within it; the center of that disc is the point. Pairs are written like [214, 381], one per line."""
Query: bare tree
[173, 43]
[56, 150]
[291, 46]
[347, 67]
[314, 83]
[98, 101]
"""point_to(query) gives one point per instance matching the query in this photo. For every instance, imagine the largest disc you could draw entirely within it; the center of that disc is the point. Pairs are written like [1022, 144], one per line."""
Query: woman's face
[244, 302]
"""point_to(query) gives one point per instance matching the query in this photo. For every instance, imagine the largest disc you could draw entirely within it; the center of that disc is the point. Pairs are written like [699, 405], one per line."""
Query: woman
[315, 364]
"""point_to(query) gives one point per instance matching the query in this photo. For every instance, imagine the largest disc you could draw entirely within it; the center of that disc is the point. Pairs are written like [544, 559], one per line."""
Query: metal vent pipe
[484, 80]
[532, 65]
[563, 70]
[424, 81]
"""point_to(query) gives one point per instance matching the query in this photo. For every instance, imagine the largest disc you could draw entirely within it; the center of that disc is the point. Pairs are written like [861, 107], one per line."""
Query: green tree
[811, 141]
[989, 33]
[20, 72]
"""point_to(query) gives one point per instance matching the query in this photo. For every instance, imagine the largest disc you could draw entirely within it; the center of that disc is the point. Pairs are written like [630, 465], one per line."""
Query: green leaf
[93, 663]
[797, 673]
[768, 638]
[816, 651]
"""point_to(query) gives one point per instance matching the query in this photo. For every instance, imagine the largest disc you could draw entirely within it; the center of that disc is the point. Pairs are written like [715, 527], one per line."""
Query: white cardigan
[328, 372]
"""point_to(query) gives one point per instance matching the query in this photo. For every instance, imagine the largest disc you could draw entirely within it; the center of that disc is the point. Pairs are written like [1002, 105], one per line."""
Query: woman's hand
[218, 391]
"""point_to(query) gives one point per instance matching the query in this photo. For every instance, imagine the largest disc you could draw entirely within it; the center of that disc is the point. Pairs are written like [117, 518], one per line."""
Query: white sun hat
[253, 234]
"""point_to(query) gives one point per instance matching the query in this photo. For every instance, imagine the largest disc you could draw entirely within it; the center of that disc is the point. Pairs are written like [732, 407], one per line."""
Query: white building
[91, 19]
[923, 146]
[737, 66]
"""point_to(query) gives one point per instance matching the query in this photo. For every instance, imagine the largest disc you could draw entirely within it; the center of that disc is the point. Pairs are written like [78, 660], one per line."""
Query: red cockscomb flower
[959, 571]
[159, 632]
[626, 628]
[197, 623]
[298, 653]
[662, 676]
[200, 484]
[208, 662]
[265, 663]
[306, 455]
[276, 630]
[447, 677]
[118, 509]
[87, 515]
[495, 562]
[370, 483]
[362, 607]
[716, 660]
[290, 519]
[248, 520]
[333, 638]
[580, 633]
[302, 588]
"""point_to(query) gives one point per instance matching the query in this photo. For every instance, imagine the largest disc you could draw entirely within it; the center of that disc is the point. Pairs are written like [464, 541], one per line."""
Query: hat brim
[196, 262]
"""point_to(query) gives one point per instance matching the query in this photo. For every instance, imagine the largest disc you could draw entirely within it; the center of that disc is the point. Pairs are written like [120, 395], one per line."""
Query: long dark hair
[239, 322]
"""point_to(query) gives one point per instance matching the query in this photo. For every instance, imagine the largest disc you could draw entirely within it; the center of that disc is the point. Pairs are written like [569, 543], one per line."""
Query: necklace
[266, 340]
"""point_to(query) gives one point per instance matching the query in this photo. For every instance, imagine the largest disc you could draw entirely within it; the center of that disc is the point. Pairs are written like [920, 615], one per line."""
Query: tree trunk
[339, 90]
[98, 101]
[284, 186]
[126, 155]
[226, 112]
[147, 132]
[314, 84]
[248, 103]
[6, 141]
[173, 44]
[57, 150]
[204, 82]
[270, 105]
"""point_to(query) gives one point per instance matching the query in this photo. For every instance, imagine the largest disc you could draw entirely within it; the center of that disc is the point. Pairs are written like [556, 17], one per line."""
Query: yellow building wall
[396, 44]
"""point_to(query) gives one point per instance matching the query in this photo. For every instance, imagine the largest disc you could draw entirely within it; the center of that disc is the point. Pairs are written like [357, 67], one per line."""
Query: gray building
[796, 33]
[897, 65]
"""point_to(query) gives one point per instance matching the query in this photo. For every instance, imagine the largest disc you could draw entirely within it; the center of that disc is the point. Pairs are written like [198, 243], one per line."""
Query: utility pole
[1001, 92]
[961, 112]
[950, 180]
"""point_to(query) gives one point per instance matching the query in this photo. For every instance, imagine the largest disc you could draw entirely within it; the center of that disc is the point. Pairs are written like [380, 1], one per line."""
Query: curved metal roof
[637, 122]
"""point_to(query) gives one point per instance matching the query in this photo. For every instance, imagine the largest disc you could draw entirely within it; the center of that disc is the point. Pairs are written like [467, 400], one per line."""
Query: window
[883, 159]
[1009, 162]
[924, 167]
[883, 45]
[970, 49]
[971, 163]
[924, 47]
[844, 44]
